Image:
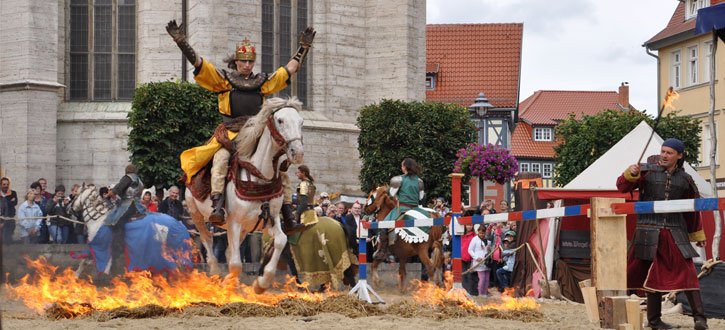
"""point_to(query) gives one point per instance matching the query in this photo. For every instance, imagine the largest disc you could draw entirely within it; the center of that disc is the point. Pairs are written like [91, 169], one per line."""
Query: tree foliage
[430, 133]
[587, 139]
[167, 118]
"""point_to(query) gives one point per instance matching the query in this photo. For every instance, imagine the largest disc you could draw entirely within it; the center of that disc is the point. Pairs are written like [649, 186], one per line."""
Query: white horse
[275, 130]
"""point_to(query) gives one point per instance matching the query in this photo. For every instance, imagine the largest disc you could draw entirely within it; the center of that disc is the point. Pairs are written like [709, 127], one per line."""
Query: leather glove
[307, 36]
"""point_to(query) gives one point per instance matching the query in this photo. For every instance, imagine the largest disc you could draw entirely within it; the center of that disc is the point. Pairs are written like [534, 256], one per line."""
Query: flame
[430, 294]
[137, 289]
[670, 97]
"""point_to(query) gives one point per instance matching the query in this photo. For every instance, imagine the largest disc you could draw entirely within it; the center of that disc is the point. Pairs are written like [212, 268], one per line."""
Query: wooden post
[633, 314]
[456, 231]
[615, 312]
[609, 253]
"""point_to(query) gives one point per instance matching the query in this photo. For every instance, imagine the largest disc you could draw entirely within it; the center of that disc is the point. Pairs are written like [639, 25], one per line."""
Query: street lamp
[480, 106]
[478, 111]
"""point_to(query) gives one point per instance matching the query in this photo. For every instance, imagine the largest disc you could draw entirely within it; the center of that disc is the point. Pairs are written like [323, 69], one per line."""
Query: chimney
[624, 95]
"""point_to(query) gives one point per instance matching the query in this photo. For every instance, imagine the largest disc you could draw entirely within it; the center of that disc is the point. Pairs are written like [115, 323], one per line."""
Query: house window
[692, 6]
[706, 145]
[536, 167]
[692, 65]
[523, 167]
[547, 170]
[542, 134]
[706, 63]
[430, 82]
[282, 21]
[102, 50]
[676, 69]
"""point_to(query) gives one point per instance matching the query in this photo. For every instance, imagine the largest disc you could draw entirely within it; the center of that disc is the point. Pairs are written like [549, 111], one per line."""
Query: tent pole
[713, 148]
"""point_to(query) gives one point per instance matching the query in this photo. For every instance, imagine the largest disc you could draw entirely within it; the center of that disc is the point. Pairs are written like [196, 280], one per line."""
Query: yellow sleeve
[276, 82]
[209, 78]
[629, 177]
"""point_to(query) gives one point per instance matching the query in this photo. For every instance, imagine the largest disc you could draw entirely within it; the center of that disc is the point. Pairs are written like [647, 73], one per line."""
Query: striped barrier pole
[362, 289]
[670, 206]
[456, 232]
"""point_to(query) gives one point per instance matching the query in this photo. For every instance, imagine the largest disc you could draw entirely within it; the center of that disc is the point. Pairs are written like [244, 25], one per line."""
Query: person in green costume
[409, 191]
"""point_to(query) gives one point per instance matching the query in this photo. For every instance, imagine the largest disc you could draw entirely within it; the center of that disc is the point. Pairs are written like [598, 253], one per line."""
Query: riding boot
[698, 311]
[654, 311]
[217, 215]
[290, 224]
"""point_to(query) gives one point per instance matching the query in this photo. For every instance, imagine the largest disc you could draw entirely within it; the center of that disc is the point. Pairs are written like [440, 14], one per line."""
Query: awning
[711, 19]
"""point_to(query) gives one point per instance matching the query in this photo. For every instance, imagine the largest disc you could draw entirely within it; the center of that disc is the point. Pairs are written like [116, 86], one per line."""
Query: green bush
[166, 119]
[430, 133]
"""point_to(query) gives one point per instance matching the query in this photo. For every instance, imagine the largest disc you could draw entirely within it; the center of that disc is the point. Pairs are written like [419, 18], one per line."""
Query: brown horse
[379, 204]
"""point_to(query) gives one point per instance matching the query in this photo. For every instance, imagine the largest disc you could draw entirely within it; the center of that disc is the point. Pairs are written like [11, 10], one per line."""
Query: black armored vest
[660, 185]
[245, 98]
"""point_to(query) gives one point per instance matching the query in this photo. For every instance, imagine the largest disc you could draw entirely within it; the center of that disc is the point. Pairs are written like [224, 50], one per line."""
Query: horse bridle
[276, 135]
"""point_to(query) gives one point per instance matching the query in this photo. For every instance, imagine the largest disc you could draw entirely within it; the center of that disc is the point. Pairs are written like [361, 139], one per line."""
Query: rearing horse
[379, 204]
[274, 131]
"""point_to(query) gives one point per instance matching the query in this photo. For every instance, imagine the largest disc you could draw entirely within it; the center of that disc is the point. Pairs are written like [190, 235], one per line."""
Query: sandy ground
[557, 315]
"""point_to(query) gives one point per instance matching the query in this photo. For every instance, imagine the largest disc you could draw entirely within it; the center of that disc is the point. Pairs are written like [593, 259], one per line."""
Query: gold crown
[246, 51]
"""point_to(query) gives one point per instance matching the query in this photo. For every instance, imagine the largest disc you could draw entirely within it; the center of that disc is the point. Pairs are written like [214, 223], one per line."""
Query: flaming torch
[669, 98]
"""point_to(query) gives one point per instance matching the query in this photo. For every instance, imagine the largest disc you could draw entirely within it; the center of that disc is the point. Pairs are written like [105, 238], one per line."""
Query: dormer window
[543, 134]
[430, 82]
[692, 6]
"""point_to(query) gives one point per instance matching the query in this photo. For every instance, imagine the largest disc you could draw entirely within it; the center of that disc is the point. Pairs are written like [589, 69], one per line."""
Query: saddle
[245, 189]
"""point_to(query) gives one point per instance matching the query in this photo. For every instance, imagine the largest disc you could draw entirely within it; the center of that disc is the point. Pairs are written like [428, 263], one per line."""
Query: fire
[430, 294]
[138, 289]
[670, 97]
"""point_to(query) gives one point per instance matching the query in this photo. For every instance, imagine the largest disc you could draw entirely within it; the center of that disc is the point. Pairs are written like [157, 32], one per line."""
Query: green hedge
[166, 119]
[430, 133]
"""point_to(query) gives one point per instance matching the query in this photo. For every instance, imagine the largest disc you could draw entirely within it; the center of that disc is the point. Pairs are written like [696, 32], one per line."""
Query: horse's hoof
[258, 289]
[214, 270]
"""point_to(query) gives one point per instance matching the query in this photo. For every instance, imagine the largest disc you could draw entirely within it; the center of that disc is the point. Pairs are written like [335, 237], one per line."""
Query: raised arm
[178, 33]
[306, 38]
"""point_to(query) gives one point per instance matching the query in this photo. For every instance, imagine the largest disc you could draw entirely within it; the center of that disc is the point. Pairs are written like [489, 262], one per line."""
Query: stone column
[29, 90]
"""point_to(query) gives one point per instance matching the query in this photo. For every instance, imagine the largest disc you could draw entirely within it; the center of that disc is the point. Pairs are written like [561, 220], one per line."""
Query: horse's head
[288, 123]
[376, 197]
[80, 201]
[281, 117]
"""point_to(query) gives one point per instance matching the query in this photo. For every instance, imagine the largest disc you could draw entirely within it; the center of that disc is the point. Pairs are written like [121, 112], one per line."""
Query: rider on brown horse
[409, 190]
[241, 94]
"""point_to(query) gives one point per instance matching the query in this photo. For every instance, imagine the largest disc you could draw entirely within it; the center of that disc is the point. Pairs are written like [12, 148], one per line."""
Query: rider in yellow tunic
[241, 94]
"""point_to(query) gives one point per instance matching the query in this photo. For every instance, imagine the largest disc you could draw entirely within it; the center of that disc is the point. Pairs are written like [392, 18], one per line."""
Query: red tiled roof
[677, 24]
[475, 58]
[547, 107]
[524, 146]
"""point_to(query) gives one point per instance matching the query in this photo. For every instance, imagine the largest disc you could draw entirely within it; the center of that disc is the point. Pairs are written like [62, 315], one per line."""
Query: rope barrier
[47, 217]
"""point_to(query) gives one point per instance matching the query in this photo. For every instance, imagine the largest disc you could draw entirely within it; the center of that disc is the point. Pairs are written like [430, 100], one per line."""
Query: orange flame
[430, 294]
[670, 97]
[138, 289]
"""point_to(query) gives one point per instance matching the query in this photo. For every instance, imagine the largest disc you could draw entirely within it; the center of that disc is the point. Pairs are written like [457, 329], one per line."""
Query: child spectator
[478, 250]
[509, 257]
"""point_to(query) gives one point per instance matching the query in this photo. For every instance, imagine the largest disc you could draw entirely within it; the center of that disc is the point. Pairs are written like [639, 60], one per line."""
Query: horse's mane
[251, 131]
